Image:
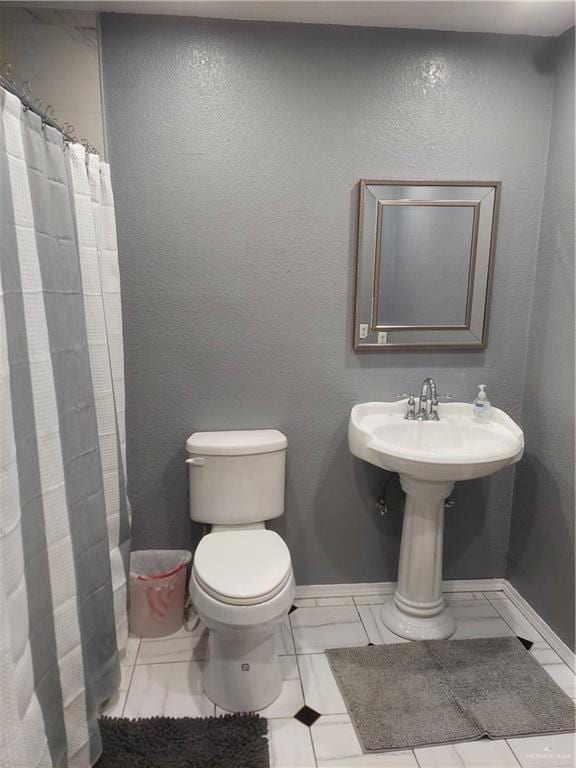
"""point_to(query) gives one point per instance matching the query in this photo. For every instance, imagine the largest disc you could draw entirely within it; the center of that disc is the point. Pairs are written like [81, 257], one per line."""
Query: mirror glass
[426, 241]
[425, 253]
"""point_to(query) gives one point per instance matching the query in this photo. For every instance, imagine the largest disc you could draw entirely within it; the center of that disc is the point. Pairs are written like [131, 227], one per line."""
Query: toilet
[242, 584]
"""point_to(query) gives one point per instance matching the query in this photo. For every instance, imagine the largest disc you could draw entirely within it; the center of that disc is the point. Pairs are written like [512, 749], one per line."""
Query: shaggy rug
[441, 691]
[186, 742]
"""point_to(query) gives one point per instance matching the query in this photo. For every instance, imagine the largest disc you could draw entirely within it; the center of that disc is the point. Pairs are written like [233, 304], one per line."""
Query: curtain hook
[68, 130]
[49, 114]
[6, 73]
[27, 90]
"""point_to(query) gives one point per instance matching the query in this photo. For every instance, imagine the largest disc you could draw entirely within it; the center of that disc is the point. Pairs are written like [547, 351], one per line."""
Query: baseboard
[473, 585]
[565, 652]
[388, 587]
[345, 590]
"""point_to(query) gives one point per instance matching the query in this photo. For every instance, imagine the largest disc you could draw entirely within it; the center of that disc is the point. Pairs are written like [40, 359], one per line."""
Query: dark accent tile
[307, 715]
[370, 643]
[292, 609]
[526, 643]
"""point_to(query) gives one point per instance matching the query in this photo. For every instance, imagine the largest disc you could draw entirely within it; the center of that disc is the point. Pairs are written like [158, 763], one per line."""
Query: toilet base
[243, 671]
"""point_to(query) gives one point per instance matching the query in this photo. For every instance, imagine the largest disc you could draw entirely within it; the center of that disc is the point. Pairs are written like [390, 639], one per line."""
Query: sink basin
[429, 456]
[457, 447]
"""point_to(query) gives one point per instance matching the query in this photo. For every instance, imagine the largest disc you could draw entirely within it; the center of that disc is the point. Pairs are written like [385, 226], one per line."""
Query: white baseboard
[345, 590]
[473, 585]
[459, 585]
[388, 587]
[565, 653]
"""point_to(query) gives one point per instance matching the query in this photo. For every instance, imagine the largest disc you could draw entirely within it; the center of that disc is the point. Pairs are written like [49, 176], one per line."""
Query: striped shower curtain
[64, 513]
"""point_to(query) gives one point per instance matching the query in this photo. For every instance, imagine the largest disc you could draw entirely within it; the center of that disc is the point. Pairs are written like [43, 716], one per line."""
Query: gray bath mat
[440, 691]
[186, 742]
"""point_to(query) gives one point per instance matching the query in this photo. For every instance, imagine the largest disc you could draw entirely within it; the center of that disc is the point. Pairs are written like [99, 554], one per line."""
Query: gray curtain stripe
[37, 571]
[59, 266]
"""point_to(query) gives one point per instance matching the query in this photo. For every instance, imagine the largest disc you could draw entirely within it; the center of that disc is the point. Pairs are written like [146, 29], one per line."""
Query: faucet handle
[411, 410]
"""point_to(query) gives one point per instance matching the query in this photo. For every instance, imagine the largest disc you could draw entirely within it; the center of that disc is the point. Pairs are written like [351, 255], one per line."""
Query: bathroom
[253, 158]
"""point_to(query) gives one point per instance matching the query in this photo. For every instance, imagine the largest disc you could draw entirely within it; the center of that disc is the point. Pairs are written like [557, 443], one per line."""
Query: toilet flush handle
[197, 461]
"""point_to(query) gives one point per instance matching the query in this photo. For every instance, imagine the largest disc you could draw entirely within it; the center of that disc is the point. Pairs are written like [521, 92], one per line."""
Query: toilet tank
[236, 477]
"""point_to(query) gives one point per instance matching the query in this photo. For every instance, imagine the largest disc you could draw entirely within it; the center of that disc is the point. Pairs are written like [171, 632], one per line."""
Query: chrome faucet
[427, 405]
[428, 410]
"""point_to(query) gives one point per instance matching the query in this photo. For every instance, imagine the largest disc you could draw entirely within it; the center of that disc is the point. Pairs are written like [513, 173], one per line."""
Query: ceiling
[524, 17]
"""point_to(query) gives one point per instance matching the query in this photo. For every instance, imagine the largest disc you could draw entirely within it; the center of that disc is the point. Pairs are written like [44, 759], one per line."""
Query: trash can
[157, 589]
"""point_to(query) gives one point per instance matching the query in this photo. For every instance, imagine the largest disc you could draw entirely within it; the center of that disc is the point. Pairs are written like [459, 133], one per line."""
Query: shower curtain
[64, 513]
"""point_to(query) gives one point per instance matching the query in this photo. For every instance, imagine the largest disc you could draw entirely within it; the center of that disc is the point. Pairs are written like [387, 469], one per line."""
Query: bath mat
[441, 691]
[186, 742]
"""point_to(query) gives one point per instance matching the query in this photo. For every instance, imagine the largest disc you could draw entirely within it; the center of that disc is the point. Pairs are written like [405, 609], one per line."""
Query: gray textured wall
[236, 150]
[542, 540]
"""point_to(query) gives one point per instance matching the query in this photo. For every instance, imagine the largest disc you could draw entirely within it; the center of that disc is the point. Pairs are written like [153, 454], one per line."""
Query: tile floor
[163, 677]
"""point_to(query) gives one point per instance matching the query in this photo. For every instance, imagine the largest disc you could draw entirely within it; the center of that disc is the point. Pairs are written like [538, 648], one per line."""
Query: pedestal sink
[430, 456]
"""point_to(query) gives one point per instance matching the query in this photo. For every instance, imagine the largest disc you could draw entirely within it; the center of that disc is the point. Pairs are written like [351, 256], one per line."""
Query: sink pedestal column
[417, 611]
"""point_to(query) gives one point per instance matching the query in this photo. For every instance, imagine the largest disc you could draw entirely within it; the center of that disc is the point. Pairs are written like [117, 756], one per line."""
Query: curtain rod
[48, 116]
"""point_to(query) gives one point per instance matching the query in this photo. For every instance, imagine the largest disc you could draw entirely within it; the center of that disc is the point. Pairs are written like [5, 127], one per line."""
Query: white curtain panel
[96, 234]
[22, 715]
[64, 514]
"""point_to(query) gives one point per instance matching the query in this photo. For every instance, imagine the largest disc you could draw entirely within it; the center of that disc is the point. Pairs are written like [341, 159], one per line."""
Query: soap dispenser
[481, 403]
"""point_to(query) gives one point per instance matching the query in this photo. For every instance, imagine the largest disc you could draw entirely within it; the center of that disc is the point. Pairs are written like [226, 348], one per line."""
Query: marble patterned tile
[306, 602]
[562, 676]
[515, 620]
[290, 744]
[474, 618]
[483, 753]
[553, 664]
[114, 707]
[377, 599]
[378, 632]
[173, 690]
[321, 691]
[129, 654]
[290, 699]
[322, 602]
[545, 751]
[316, 629]
[336, 744]
[543, 653]
[189, 643]
[478, 618]
[284, 639]
[455, 597]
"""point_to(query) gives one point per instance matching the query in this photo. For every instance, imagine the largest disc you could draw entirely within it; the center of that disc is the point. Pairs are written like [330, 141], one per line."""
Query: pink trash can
[157, 589]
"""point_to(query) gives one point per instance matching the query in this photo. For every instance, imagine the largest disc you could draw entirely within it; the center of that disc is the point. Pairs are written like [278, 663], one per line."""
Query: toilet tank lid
[236, 443]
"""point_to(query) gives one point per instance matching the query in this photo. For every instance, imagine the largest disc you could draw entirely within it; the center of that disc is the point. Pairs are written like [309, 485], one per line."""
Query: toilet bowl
[242, 584]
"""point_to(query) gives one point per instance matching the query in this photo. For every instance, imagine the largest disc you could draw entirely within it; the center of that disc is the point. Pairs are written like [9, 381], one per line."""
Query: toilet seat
[245, 567]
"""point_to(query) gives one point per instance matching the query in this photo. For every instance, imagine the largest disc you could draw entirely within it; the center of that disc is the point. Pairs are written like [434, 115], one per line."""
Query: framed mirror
[425, 262]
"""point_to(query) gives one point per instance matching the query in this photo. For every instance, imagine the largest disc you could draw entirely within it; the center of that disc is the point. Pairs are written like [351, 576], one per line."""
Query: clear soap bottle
[481, 403]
